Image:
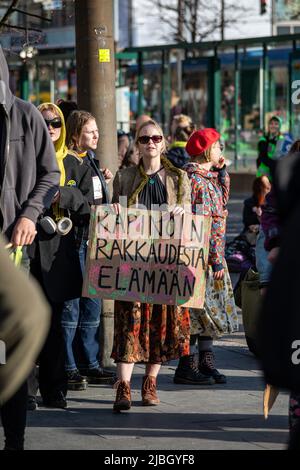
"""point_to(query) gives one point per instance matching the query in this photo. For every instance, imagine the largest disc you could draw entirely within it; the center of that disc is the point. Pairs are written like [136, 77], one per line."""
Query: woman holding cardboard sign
[144, 332]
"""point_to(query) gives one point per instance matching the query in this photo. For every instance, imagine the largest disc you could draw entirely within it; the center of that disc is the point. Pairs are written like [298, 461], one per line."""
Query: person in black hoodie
[29, 178]
[81, 316]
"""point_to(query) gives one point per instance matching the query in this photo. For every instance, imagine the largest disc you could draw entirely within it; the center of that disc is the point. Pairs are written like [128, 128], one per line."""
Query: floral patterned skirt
[219, 315]
[150, 333]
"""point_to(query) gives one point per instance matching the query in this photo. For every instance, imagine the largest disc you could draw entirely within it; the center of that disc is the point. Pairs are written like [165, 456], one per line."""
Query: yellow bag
[16, 256]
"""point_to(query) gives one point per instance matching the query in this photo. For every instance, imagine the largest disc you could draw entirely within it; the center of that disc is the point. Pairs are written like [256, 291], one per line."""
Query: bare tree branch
[195, 20]
[9, 11]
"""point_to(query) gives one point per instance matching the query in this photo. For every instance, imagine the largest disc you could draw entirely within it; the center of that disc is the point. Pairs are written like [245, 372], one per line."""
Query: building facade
[51, 73]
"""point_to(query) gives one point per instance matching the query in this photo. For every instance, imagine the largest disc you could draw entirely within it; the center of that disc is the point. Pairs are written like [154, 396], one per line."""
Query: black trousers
[52, 374]
[14, 411]
[13, 415]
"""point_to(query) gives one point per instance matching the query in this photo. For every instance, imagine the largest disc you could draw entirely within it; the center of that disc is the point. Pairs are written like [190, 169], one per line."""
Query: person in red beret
[210, 193]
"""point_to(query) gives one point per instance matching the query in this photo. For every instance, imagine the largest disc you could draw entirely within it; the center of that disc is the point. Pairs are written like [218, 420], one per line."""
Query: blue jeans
[81, 317]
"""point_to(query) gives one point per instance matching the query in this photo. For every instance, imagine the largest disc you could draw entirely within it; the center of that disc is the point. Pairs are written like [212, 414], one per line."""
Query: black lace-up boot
[207, 366]
[188, 373]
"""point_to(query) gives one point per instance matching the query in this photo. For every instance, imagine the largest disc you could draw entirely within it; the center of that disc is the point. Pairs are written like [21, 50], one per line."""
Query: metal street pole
[96, 72]
[273, 17]
[95, 56]
[130, 23]
[222, 20]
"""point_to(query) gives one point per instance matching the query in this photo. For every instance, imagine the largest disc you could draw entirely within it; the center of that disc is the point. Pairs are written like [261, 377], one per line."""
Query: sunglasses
[145, 139]
[55, 123]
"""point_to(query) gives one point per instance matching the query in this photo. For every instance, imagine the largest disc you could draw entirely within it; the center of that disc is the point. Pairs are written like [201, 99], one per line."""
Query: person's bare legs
[124, 371]
[149, 393]
[153, 369]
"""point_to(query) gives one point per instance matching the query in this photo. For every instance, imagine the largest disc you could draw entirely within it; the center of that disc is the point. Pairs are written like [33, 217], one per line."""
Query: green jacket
[267, 155]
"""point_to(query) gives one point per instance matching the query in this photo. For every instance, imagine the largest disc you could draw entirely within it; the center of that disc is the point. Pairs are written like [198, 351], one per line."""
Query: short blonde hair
[49, 107]
[203, 157]
[182, 120]
[153, 123]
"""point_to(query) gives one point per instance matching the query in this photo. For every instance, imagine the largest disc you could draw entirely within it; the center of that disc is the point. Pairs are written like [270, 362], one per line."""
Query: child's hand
[220, 163]
[218, 276]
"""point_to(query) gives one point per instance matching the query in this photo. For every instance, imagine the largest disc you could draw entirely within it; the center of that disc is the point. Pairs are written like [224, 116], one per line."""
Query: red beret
[201, 141]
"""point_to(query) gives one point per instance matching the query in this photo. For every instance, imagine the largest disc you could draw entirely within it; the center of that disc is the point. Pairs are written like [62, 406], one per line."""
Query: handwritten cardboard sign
[147, 256]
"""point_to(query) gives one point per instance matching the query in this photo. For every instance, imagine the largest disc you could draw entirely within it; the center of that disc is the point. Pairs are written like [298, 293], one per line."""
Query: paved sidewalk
[189, 417]
[226, 416]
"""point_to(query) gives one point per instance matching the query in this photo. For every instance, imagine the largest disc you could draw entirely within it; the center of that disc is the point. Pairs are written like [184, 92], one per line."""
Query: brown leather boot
[149, 395]
[123, 397]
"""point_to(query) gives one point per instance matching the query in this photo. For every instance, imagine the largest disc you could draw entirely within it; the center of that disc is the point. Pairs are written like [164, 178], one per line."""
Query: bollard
[107, 334]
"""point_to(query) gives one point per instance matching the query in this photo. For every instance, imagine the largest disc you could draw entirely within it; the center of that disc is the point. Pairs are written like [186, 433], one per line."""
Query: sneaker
[76, 381]
[31, 403]
[207, 367]
[187, 373]
[100, 376]
[58, 401]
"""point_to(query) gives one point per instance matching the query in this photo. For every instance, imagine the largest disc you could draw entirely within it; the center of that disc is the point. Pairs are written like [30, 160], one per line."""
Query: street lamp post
[95, 56]
[273, 14]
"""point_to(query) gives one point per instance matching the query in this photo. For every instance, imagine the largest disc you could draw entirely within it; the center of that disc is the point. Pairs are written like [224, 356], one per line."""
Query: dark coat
[280, 314]
[249, 216]
[56, 261]
[270, 221]
[282, 199]
[29, 174]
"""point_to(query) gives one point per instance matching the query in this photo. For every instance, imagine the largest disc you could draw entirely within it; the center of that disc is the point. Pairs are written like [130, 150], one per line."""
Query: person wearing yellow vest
[268, 151]
[177, 154]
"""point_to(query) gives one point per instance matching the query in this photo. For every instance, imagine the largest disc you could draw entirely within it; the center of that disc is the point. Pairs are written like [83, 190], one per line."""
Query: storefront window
[278, 95]
[227, 118]
[152, 85]
[195, 90]
[250, 114]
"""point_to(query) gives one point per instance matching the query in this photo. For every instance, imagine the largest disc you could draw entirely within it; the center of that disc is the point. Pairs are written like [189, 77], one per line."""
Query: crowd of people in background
[187, 167]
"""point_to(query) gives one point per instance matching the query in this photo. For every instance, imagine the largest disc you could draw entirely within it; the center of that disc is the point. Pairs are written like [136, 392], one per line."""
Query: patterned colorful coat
[210, 194]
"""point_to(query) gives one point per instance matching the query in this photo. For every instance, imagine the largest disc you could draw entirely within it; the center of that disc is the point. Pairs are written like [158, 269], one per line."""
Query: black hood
[178, 156]
[6, 96]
